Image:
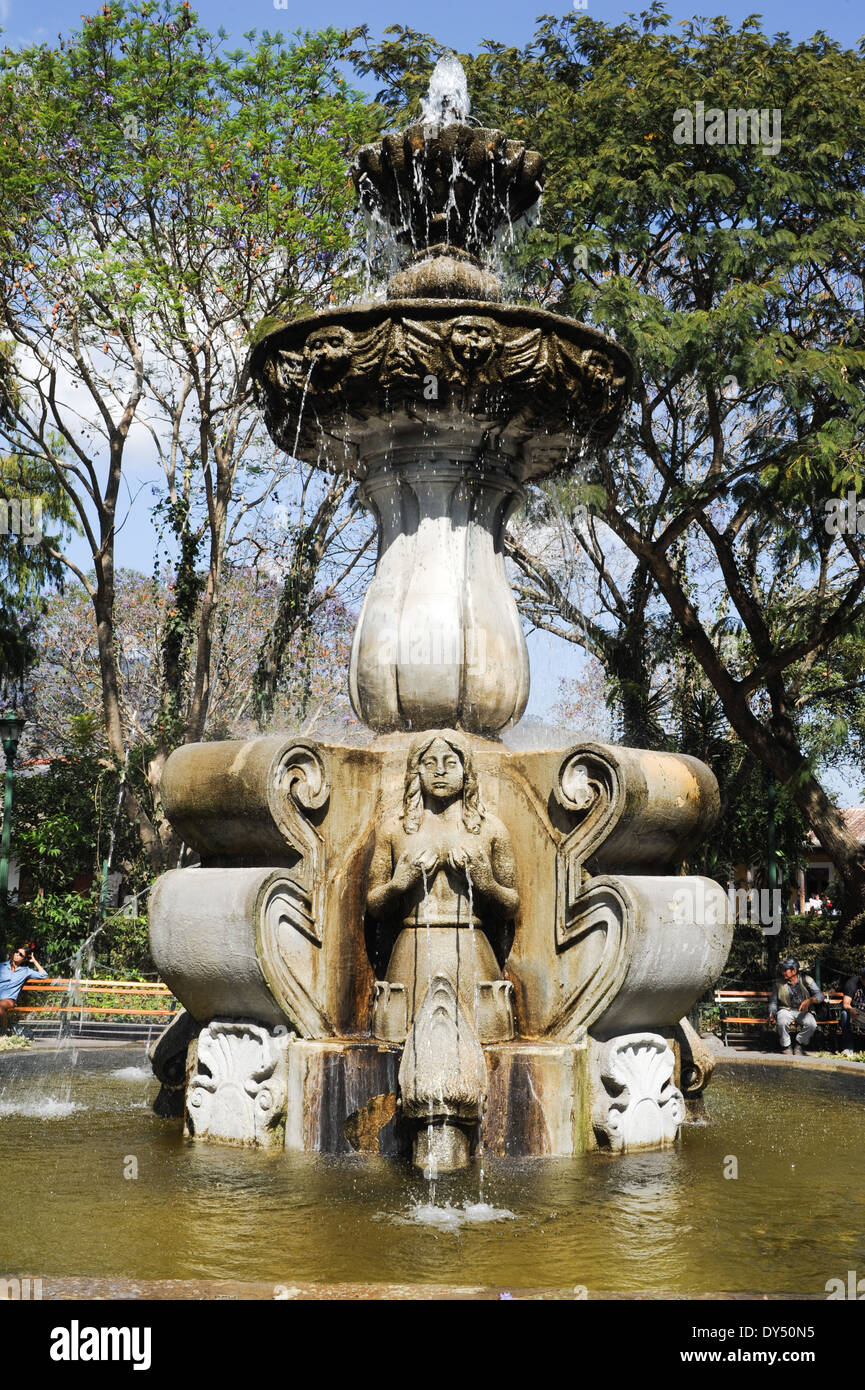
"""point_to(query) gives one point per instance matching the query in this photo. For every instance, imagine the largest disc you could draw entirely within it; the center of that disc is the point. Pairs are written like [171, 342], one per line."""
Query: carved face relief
[441, 772]
[328, 352]
[474, 343]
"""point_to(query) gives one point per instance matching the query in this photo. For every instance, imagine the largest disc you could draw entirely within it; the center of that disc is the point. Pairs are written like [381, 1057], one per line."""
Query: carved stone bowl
[456, 183]
[532, 387]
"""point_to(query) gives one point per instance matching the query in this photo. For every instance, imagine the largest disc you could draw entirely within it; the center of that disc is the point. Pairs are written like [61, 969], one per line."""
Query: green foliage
[64, 812]
[27, 564]
[161, 195]
[58, 922]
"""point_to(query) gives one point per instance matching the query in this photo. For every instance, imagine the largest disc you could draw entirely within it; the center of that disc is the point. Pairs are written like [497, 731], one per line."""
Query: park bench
[70, 1004]
[743, 1009]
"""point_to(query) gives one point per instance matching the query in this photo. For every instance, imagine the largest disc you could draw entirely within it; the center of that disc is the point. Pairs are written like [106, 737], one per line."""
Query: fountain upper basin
[535, 388]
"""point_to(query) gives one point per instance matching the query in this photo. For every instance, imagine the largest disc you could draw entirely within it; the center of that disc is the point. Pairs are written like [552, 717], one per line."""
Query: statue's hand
[411, 867]
[476, 866]
[427, 862]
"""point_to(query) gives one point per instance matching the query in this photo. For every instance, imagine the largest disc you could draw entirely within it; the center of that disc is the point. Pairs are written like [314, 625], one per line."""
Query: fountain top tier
[443, 364]
[445, 186]
[455, 184]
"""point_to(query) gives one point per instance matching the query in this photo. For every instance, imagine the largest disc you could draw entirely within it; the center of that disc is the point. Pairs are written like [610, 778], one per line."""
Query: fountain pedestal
[284, 969]
[439, 641]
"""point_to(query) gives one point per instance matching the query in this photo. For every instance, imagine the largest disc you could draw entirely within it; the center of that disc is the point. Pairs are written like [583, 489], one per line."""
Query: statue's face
[328, 351]
[472, 342]
[441, 772]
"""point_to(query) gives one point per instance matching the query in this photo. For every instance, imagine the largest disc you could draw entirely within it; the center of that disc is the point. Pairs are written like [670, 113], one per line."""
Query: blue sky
[454, 22]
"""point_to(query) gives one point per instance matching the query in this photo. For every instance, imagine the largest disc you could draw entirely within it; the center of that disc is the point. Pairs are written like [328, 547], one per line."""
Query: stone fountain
[434, 943]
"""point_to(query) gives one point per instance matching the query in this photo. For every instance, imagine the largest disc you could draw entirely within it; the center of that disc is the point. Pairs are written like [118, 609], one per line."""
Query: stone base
[265, 1088]
[342, 1098]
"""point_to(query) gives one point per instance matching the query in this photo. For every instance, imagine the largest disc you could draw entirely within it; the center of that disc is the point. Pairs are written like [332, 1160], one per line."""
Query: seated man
[14, 974]
[792, 1005]
[852, 1017]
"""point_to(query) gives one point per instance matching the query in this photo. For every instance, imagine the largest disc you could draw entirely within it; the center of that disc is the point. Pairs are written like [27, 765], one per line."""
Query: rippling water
[792, 1219]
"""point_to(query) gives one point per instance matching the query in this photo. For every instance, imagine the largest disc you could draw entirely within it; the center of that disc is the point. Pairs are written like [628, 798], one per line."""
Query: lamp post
[10, 732]
[774, 953]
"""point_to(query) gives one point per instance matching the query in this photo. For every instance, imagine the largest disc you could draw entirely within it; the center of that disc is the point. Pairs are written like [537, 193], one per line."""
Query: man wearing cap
[792, 1006]
[852, 1016]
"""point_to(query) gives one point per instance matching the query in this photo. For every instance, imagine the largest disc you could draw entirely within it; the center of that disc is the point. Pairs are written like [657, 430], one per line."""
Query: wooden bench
[130, 1000]
[732, 1004]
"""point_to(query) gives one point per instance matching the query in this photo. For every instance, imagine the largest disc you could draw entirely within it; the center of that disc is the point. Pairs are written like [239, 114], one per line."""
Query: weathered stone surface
[588, 820]
[539, 1101]
[250, 802]
[697, 1061]
[444, 272]
[277, 945]
[453, 182]
[167, 1055]
[342, 1098]
[442, 1074]
[237, 1094]
[642, 1109]
[518, 387]
[442, 870]
[439, 641]
[203, 927]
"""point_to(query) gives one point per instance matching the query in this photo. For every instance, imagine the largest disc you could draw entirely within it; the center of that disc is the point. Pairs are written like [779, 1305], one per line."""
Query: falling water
[480, 1150]
[302, 407]
[431, 1170]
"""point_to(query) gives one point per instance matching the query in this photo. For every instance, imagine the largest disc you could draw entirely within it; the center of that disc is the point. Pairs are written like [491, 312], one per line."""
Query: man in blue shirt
[14, 974]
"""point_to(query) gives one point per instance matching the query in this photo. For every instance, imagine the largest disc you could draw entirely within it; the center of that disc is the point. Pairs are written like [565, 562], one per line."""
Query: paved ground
[834, 1063]
[197, 1290]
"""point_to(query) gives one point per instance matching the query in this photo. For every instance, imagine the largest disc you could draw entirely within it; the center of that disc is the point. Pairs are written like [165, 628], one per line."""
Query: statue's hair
[473, 811]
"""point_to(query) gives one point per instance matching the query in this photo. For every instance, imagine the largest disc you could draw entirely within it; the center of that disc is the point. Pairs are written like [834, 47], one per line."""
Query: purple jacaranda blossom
[107, 99]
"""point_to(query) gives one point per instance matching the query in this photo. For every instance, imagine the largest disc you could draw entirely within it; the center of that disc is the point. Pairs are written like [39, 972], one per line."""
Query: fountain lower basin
[646, 1223]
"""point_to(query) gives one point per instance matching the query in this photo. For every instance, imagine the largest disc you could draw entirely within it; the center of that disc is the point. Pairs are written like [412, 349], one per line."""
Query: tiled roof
[855, 818]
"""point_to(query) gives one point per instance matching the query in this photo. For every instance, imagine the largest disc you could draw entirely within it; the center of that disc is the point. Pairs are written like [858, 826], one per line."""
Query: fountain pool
[665, 1222]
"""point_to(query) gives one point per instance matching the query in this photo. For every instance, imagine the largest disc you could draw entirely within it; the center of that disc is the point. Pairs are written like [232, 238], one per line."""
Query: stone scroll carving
[643, 1109]
[622, 820]
[237, 1094]
[301, 787]
[591, 786]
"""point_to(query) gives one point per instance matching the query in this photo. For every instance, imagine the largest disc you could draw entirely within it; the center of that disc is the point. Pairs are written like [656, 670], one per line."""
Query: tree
[163, 195]
[732, 273]
[63, 690]
[31, 509]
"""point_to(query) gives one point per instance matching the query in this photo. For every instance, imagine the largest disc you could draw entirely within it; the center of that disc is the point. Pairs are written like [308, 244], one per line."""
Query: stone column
[439, 641]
